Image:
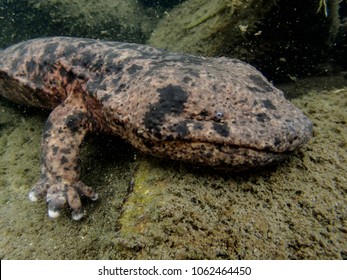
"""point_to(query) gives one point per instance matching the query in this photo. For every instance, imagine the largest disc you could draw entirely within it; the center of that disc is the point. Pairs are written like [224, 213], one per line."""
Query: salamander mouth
[216, 155]
[226, 143]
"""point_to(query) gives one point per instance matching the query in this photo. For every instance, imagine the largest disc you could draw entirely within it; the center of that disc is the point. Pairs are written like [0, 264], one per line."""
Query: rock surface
[115, 20]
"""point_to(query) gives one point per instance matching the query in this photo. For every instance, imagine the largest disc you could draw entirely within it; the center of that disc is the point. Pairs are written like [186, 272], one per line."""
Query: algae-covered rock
[203, 26]
[161, 3]
[284, 39]
[104, 19]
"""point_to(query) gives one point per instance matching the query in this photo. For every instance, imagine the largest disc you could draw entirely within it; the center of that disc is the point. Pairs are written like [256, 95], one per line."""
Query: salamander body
[218, 112]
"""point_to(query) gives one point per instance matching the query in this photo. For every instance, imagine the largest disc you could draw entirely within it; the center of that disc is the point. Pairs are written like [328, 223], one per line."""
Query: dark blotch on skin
[22, 49]
[192, 72]
[149, 144]
[221, 128]
[46, 129]
[134, 68]
[58, 178]
[118, 123]
[180, 128]
[96, 65]
[268, 104]
[277, 141]
[70, 76]
[198, 126]
[49, 52]
[62, 72]
[262, 117]
[256, 89]
[191, 59]
[121, 87]
[187, 79]
[66, 151]
[262, 85]
[110, 55]
[81, 76]
[73, 122]
[31, 66]
[203, 114]
[115, 81]
[171, 101]
[114, 68]
[63, 160]
[70, 49]
[105, 98]
[55, 150]
[88, 57]
[15, 63]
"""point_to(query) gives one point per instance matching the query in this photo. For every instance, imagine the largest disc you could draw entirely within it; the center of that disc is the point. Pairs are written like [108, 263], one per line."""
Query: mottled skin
[213, 111]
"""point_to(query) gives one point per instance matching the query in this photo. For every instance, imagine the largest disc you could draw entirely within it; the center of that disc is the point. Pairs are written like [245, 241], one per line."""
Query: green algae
[202, 27]
[211, 14]
[115, 20]
[148, 192]
[256, 32]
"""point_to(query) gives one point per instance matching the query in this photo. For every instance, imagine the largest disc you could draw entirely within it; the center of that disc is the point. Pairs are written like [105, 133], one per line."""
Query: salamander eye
[218, 116]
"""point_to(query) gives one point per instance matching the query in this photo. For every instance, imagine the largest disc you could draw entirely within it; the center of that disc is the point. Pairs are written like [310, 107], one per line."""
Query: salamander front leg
[60, 171]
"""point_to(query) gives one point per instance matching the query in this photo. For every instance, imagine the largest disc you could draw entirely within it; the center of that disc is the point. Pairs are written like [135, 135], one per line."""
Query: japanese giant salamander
[218, 112]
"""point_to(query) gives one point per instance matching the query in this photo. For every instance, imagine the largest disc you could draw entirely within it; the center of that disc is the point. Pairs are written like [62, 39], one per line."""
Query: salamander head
[224, 113]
